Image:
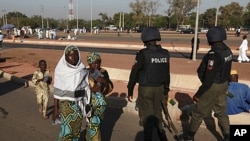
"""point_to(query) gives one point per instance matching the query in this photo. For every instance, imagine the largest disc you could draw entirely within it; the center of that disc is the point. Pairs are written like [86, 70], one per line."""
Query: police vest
[223, 73]
[156, 66]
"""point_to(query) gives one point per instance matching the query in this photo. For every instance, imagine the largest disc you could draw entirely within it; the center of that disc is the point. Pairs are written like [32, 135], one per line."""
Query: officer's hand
[130, 98]
[196, 99]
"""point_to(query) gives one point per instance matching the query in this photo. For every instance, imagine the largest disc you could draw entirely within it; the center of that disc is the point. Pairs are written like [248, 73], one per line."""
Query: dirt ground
[22, 62]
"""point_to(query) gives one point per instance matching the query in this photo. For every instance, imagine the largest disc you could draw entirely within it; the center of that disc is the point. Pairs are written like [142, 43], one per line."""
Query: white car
[203, 30]
[111, 27]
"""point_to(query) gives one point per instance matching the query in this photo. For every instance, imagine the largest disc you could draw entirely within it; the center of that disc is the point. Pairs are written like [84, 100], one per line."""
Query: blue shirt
[240, 102]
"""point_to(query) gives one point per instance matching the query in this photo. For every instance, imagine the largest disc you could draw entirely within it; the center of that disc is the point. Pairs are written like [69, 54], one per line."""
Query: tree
[160, 21]
[16, 18]
[209, 17]
[105, 19]
[149, 8]
[246, 16]
[181, 9]
[231, 15]
[137, 8]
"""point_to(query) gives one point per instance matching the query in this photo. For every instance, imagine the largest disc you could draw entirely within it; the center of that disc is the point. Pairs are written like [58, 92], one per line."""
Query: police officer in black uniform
[151, 71]
[214, 74]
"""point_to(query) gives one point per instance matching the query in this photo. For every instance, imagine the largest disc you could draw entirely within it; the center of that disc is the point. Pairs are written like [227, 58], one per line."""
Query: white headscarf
[69, 78]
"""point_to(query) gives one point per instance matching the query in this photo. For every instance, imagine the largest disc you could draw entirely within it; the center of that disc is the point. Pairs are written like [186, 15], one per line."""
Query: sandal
[45, 117]
[40, 109]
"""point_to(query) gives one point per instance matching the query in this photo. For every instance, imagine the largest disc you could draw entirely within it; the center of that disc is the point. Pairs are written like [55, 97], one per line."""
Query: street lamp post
[91, 17]
[196, 30]
[203, 23]
[17, 20]
[216, 14]
[4, 17]
[77, 14]
[42, 15]
[120, 21]
[67, 23]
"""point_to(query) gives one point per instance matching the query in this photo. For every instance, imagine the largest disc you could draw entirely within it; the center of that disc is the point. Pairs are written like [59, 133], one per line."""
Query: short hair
[244, 36]
[41, 61]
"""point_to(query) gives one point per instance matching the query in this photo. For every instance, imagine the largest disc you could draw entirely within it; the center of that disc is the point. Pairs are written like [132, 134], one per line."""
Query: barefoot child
[42, 79]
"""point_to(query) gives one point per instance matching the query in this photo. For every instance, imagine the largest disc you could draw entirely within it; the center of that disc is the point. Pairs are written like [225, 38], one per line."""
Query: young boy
[42, 79]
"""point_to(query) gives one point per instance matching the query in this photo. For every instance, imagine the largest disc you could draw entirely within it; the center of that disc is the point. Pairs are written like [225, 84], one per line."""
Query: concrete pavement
[179, 81]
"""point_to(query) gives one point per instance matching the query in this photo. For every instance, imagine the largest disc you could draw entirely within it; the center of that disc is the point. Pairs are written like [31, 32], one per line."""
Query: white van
[111, 27]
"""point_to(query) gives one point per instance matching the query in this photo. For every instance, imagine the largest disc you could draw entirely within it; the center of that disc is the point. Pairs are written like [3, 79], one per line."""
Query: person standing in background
[192, 46]
[243, 50]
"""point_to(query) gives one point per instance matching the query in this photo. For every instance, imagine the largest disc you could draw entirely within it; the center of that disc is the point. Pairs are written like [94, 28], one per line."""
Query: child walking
[42, 79]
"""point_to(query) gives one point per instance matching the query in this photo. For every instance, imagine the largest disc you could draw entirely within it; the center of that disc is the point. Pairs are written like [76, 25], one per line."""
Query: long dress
[98, 105]
[243, 51]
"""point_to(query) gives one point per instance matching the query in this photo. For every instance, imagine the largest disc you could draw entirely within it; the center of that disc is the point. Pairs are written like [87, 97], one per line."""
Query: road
[174, 54]
[20, 119]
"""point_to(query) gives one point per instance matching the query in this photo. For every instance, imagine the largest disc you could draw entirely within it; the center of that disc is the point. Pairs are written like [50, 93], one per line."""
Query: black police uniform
[214, 74]
[151, 71]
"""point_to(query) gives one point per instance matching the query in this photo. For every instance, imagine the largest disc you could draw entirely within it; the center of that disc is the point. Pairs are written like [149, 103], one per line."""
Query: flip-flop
[40, 110]
[45, 117]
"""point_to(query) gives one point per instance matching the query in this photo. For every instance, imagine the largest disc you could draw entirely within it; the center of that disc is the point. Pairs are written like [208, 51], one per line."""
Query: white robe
[243, 51]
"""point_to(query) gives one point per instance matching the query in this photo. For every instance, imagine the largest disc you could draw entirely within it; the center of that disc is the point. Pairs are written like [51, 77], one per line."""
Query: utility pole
[196, 30]
[91, 17]
[4, 17]
[47, 23]
[120, 21]
[216, 15]
[77, 14]
[42, 8]
[17, 20]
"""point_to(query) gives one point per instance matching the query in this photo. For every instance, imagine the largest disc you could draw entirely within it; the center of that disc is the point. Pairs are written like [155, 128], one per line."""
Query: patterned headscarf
[70, 48]
[92, 57]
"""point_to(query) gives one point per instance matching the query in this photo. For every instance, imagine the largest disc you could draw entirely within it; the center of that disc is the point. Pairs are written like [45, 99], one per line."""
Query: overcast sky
[59, 8]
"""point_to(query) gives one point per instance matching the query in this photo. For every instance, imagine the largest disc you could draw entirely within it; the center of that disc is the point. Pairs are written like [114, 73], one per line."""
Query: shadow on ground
[115, 104]
[186, 105]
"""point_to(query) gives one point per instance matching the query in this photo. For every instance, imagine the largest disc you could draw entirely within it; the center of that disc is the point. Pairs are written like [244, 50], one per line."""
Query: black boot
[226, 137]
[183, 137]
[190, 136]
[163, 136]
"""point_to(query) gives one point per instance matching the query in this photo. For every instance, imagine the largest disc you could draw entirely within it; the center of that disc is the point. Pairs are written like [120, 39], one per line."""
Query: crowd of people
[80, 90]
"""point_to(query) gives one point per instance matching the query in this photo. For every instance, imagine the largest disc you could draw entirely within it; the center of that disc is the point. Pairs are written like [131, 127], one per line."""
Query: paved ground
[20, 119]
[23, 62]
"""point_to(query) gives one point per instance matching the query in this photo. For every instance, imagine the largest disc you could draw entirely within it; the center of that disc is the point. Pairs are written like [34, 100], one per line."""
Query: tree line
[143, 14]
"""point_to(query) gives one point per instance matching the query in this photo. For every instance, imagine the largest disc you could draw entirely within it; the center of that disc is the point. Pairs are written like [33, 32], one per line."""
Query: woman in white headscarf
[71, 92]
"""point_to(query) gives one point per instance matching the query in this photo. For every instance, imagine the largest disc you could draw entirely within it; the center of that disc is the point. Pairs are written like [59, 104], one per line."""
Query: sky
[58, 9]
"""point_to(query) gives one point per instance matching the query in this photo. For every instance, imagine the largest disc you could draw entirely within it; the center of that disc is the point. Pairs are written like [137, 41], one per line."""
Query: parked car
[203, 30]
[187, 31]
[111, 27]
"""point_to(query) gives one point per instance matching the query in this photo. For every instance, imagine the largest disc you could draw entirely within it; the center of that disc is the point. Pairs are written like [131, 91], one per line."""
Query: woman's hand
[55, 111]
[96, 88]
